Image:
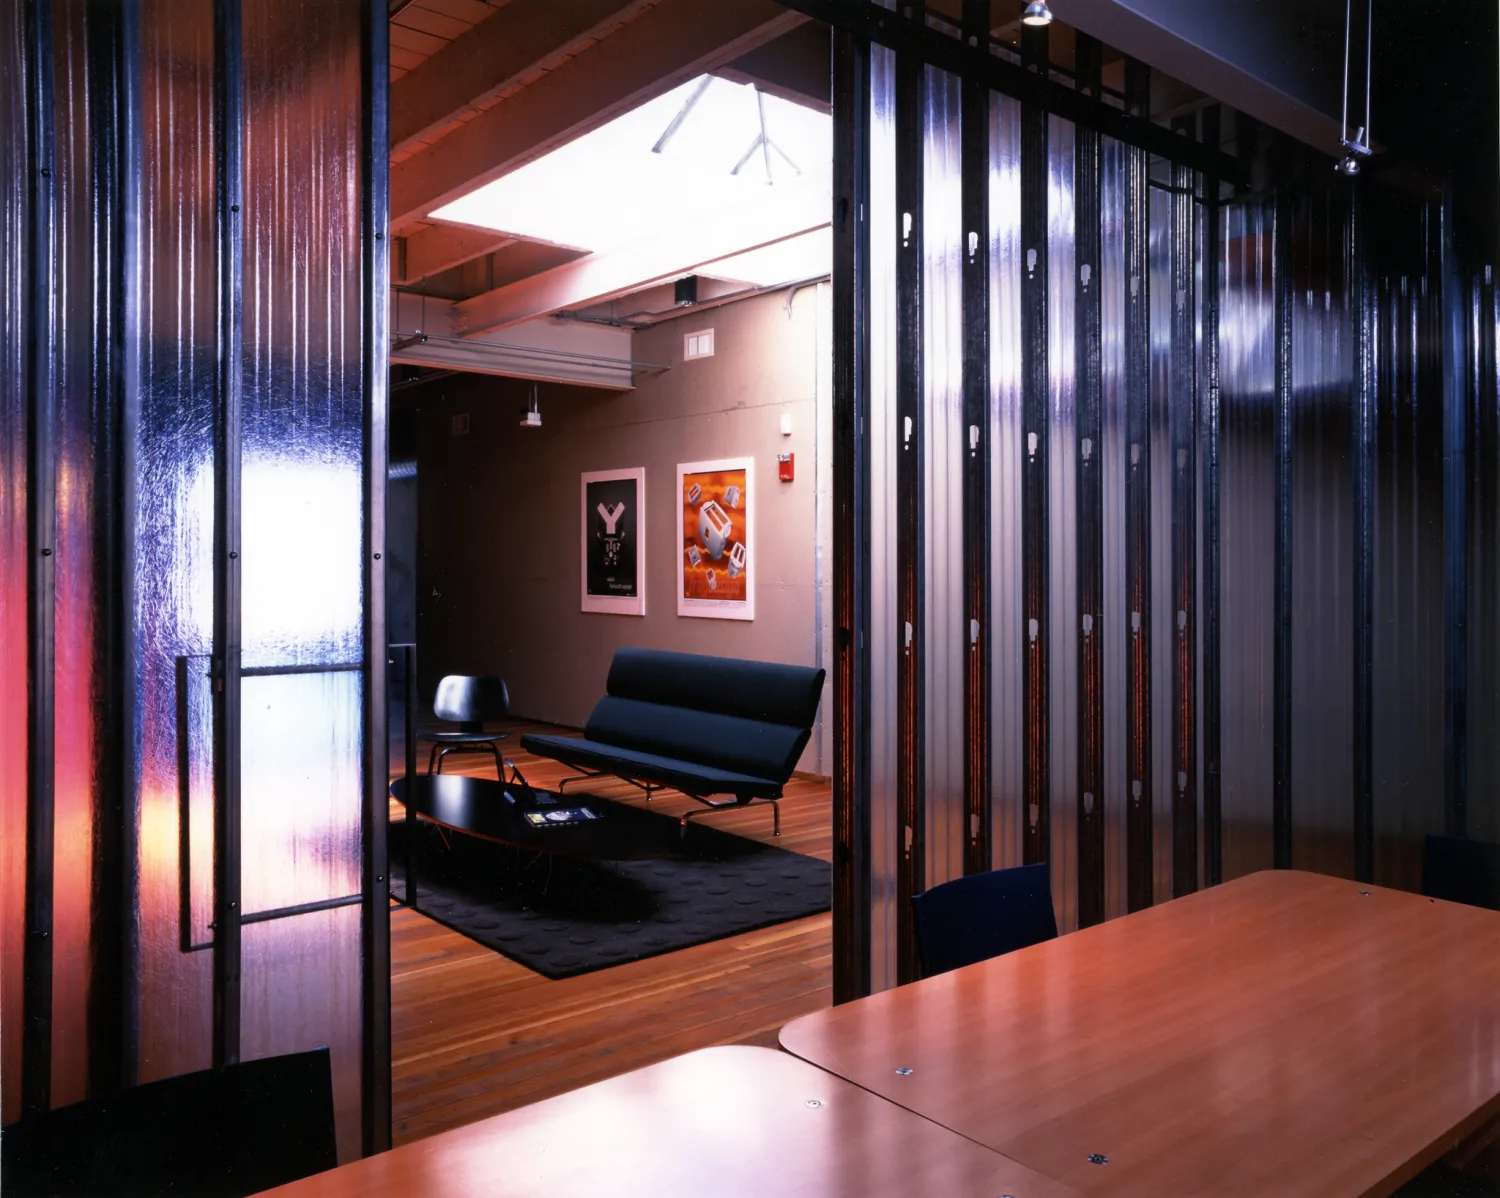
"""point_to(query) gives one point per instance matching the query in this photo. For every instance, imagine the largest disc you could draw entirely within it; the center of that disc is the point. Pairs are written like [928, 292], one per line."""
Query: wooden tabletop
[1284, 1033]
[725, 1122]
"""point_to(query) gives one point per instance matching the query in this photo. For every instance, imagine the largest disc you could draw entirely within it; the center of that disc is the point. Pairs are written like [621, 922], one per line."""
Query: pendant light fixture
[532, 417]
[1358, 146]
[1037, 13]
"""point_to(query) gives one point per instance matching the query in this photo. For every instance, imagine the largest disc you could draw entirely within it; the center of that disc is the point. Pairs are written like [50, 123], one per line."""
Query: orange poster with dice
[715, 566]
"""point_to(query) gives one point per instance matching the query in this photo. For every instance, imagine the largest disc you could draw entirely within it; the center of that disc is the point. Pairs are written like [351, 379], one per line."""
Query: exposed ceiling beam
[500, 53]
[603, 276]
[797, 66]
[662, 48]
[431, 250]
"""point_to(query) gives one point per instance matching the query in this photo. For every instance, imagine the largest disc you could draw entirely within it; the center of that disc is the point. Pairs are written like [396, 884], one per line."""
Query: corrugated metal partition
[15, 213]
[1132, 609]
[184, 456]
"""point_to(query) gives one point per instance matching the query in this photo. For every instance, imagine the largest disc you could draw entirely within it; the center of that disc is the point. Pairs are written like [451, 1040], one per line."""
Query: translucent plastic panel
[14, 215]
[1113, 447]
[943, 438]
[1322, 548]
[300, 990]
[1007, 453]
[174, 508]
[300, 796]
[882, 451]
[1062, 646]
[1247, 531]
[1408, 584]
[302, 519]
[302, 385]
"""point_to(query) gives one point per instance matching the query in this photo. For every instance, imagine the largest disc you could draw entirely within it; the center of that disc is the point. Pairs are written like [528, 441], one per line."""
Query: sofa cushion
[741, 746]
[648, 767]
[751, 690]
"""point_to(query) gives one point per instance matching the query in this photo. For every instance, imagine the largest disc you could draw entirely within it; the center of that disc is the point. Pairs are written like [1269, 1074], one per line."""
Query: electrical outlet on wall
[460, 424]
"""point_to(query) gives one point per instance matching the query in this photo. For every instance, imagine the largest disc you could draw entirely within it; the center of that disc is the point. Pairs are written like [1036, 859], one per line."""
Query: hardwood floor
[474, 1034]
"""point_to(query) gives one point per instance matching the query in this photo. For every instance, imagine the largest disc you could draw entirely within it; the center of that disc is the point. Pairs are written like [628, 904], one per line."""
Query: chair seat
[686, 776]
[462, 738]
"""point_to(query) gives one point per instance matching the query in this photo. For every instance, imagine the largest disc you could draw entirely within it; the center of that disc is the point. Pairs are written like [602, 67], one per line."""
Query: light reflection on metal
[882, 450]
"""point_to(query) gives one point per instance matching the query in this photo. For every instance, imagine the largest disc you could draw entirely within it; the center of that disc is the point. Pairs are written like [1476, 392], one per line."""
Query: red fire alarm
[786, 466]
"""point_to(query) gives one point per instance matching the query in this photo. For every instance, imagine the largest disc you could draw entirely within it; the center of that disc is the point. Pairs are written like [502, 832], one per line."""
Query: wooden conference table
[1285, 1033]
[721, 1122]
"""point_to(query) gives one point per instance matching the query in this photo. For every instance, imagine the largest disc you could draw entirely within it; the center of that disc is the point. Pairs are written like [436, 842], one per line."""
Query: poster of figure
[716, 553]
[614, 541]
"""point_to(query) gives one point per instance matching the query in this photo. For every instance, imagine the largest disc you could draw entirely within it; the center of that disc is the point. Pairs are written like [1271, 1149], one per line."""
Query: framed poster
[716, 544]
[614, 541]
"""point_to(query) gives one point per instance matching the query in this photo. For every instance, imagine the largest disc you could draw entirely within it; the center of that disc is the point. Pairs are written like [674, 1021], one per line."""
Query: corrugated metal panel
[943, 634]
[1114, 450]
[1007, 453]
[1062, 594]
[174, 522]
[1322, 545]
[14, 215]
[1247, 368]
[882, 450]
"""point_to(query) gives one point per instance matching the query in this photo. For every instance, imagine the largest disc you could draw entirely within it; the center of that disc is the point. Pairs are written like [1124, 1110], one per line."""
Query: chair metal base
[729, 804]
[441, 750]
[583, 775]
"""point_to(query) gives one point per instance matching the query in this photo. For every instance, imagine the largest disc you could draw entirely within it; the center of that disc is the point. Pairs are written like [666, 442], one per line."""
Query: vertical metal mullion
[1453, 348]
[851, 523]
[911, 772]
[228, 36]
[1281, 733]
[978, 731]
[1139, 866]
[1213, 831]
[1036, 473]
[1183, 401]
[376, 915]
[113, 49]
[41, 334]
[1363, 449]
[1088, 240]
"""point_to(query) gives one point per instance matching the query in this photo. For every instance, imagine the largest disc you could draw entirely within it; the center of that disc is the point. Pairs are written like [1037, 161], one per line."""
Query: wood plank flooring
[474, 1034]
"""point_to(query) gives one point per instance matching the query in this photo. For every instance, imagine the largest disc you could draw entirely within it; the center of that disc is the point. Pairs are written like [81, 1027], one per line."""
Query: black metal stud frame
[1088, 305]
[851, 523]
[910, 485]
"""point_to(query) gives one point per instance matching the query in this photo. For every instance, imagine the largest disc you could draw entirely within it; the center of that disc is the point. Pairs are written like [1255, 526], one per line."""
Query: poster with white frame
[613, 573]
[716, 539]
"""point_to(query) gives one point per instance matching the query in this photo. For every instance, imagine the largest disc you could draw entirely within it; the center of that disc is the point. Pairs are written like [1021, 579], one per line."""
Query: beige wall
[498, 574]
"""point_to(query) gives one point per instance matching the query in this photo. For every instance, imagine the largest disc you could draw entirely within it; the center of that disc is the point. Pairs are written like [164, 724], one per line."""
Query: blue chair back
[1462, 871]
[982, 916]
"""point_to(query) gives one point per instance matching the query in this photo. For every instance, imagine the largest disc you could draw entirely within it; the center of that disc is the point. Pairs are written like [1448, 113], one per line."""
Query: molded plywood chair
[468, 702]
[982, 916]
[221, 1133]
[1462, 871]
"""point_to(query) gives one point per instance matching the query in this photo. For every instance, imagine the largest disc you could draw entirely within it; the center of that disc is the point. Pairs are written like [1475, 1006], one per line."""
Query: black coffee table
[497, 811]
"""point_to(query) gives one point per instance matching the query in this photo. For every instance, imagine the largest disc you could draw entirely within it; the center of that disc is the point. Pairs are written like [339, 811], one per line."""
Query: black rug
[562, 918]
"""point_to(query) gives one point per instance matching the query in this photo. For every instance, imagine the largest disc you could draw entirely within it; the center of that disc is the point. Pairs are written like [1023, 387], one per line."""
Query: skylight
[710, 153]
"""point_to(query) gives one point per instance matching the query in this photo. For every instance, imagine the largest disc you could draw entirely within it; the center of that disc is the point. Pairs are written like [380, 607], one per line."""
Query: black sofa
[707, 726]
